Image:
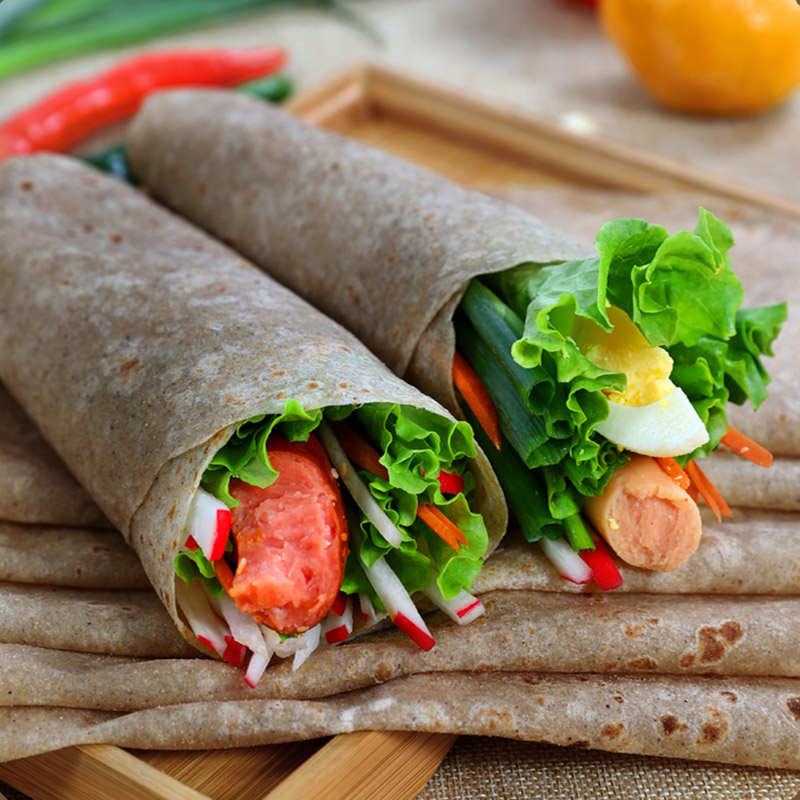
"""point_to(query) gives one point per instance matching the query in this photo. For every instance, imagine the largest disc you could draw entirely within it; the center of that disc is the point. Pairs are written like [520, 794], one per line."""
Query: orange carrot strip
[446, 530]
[359, 451]
[673, 469]
[747, 448]
[224, 574]
[477, 398]
[708, 491]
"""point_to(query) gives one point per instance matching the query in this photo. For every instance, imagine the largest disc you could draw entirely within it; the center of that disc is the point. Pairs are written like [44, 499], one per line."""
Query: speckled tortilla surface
[136, 343]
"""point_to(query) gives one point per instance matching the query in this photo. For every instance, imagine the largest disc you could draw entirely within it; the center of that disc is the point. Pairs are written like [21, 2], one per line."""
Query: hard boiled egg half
[652, 416]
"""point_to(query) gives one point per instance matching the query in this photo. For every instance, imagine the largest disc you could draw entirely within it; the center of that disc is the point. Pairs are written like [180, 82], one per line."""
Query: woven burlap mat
[480, 768]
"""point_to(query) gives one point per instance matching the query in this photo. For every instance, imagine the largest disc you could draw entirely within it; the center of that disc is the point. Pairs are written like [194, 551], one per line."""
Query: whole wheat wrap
[381, 245]
[136, 344]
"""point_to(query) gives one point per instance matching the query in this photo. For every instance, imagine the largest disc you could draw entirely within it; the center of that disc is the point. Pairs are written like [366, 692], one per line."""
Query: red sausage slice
[291, 539]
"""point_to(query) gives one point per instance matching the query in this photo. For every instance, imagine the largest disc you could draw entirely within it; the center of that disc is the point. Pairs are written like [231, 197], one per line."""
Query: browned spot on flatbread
[709, 646]
[99, 549]
[731, 632]
[643, 663]
[712, 732]
[653, 620]
[793, 704]
[612, 731]
[732, 696]
[345, 349]
[618, 698]
[580, 743]
[280, 395]
[534, 682]
[26, 186]
[713, 643]
[342, 385]
[130, 365]
[171, 512]
[634, 631]
[670, 724]
[278, 373]
[115, 238]
[312, 385]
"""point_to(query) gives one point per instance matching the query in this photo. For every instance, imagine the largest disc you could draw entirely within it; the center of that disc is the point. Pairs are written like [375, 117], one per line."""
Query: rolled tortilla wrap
[401, 247]
[35, 487]
[138, 345]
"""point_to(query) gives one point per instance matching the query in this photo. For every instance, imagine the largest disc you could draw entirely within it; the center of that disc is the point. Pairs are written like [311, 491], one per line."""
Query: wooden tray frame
[368, 765]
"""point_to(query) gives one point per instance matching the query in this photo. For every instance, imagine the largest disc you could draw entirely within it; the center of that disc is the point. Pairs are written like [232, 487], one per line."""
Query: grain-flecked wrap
[385, 247]
[137, 343]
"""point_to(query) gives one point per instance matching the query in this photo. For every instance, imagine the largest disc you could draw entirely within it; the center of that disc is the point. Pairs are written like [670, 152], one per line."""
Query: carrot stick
[673, 469]
[224, 574]
[476, 397]
[747, 448]
[359, 451]
[446, 530]
[708, 491]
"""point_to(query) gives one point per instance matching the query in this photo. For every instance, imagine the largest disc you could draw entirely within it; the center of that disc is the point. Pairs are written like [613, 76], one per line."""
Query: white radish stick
[338, 623]
[568, 563]
[255, 669]
[208, 524]
[357, 488]
[307, 643]
[244, 628]
[368, 611]
[395, 598]
[207, 626]
[463, 608]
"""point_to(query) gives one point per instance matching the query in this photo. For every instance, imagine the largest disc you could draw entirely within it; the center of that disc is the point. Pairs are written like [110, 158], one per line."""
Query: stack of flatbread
[698, 663]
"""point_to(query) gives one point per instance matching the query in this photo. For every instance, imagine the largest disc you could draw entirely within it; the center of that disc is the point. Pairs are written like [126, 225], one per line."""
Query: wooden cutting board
[483, 147]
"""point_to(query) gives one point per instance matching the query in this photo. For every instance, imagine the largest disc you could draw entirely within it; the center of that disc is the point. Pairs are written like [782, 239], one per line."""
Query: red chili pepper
[69, 114]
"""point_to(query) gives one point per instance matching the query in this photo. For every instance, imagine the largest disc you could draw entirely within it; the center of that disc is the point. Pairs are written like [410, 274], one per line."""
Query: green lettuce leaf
[194, 566]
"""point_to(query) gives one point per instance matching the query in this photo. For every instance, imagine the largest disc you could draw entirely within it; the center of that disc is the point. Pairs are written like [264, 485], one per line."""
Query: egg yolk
[624, 349]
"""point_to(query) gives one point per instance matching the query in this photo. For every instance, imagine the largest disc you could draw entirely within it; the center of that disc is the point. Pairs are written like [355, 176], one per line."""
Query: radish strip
[300, 646]
[207, 626]
[255, 669]
[308, 642]
[463, 608]
[568, 563]
[606, 574]
[208, 524]
[368, 611]
[395, 598]
[243, 627]
[357, 488]
[235, 652]
[338, 624]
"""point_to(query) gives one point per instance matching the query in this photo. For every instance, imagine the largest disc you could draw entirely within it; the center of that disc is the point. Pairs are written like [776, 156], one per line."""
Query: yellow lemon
[709, 56]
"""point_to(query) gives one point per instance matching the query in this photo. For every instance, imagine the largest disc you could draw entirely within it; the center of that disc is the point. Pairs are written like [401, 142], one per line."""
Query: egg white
[668, 427]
